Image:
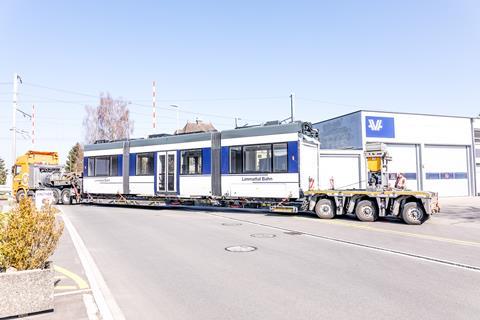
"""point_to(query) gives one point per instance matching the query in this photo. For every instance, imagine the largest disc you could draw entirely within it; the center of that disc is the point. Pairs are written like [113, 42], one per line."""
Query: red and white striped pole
[33, 125]
[154, 115]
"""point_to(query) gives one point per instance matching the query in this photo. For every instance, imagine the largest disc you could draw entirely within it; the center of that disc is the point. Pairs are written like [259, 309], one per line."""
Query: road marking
[403, 233]
[69, 293]
[65, 287]
[77, 279]
[108, 307]
[361, 245]
[92, 310]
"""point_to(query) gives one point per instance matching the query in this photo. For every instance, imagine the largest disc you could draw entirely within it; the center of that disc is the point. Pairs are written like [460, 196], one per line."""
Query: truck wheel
[31, 194]
[56, 196]
[20, 195]
[413, 213]
[66, 198]
[366, 211]
[325, 209]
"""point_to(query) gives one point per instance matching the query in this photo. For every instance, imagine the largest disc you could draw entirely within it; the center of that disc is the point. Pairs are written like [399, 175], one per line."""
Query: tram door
[166, 170]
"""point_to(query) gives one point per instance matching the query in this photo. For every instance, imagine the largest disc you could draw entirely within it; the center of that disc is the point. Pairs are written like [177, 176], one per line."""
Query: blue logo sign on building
[380, 127]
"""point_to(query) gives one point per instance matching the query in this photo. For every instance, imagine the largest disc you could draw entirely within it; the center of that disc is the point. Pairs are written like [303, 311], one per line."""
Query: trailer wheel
[56, 196]
[66, 198]
[20, 195]
[325, 209]
[413, 213]
[366, 211]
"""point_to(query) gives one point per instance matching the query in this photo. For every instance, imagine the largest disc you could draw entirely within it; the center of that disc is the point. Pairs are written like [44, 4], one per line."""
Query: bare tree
[110, 120]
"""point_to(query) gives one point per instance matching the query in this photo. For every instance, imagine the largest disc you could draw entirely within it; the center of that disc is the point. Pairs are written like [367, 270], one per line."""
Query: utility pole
[33, 126]
[178, 116]
[14, 117]
[292, 110]
[154, 115]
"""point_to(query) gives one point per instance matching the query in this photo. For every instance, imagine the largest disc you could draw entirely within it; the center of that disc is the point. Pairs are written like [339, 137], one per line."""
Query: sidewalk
[73, 299]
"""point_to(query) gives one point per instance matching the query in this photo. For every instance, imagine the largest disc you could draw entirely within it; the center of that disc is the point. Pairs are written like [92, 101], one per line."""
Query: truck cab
[21, 169]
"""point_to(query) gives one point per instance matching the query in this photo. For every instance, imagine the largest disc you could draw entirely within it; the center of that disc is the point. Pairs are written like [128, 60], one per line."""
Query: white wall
[447, 134]
[346, 167]
[413, 128]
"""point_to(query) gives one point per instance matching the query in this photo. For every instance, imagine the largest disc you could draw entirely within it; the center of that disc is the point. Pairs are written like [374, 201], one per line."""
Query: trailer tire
[412, 213]
[366, 210]
[66, 198]
[20, 195]
[56, 196]
[325, 208]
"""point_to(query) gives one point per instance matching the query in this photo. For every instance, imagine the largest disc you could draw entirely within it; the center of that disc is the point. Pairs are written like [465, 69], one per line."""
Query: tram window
[102, 166]
[280, 157]
[257, 158]
[114, 165]
[91, 167]
[144, 164]
[235, 159]
[192, 161]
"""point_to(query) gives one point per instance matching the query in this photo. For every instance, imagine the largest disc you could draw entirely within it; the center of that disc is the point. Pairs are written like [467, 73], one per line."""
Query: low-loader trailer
[379, 199]
[38, 170]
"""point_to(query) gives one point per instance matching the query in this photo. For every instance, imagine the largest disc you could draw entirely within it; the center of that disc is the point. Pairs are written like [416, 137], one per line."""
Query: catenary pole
[33, 125]
[14, 118]
[292, 110]
[154, 114]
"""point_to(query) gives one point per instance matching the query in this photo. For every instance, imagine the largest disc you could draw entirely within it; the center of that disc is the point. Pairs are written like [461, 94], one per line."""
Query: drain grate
[229, 224]
[263, 235]
[241, 248]
[293, 233]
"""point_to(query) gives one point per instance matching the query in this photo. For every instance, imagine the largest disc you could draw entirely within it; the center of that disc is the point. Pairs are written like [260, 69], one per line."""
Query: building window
[192, 161]
[144, 164]
[235, 159]
[280, 157]
[102, 166]
[257, 158]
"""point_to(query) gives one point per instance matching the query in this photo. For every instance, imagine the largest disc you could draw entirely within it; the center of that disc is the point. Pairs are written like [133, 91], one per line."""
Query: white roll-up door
[446, 170]
[405, 161]
[344, 169]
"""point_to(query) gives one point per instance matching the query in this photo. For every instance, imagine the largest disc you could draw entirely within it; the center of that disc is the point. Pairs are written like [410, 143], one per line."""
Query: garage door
[405, 161]
[345, 170]
[446, 170]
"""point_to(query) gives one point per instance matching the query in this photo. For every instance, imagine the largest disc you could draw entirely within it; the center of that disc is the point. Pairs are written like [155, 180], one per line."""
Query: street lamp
[178, 108]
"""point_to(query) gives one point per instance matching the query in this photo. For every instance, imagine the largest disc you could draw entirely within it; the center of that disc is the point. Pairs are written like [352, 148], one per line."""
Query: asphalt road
[172, 264]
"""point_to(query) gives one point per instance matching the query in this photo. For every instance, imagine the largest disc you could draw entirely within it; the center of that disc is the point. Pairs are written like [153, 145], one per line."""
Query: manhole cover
[240, 248]
[293, 233]
[263, 235]
[231, 224]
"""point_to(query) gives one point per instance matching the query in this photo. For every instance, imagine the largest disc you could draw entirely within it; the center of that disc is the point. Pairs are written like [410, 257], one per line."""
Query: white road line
[108, 307]
[92, 310]
[69, 293]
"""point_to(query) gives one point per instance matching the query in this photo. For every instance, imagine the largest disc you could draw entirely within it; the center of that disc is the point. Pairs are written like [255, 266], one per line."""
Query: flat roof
[395, 112]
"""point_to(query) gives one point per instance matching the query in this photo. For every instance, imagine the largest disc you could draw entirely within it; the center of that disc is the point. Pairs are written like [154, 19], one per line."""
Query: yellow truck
[39, 170]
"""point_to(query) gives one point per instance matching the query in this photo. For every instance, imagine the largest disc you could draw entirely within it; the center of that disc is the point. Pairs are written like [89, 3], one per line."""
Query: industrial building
[434, 152]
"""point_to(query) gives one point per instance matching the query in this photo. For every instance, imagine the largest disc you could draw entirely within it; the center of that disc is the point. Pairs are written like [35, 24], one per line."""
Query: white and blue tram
[274, 161]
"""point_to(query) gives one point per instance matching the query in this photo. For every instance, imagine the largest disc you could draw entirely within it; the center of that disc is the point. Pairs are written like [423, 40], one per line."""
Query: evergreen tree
[3, 172]
[75, 159]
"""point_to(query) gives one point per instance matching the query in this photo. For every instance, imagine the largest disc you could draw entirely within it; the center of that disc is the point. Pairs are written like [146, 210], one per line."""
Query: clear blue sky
[211, 56]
